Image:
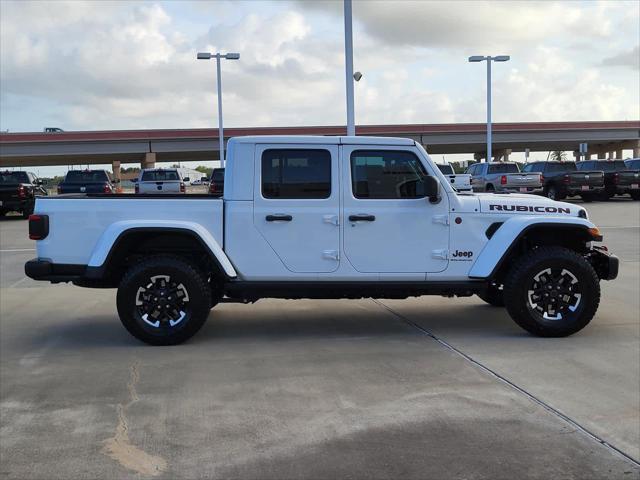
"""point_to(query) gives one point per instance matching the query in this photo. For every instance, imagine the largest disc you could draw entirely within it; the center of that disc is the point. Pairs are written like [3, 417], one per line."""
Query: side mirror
[116, 180]
[134, 180]
[431, 187]
[186, 179]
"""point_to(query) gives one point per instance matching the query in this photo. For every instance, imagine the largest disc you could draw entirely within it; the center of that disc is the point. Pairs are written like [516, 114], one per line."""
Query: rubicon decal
[528, 208]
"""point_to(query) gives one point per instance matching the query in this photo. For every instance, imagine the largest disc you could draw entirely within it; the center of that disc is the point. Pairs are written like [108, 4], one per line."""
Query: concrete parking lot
[419, 388]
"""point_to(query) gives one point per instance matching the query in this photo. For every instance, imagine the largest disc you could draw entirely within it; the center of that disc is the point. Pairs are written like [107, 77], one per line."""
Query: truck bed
[99, 218]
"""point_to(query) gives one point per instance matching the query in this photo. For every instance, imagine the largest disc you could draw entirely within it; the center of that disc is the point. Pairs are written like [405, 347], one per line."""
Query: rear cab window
[87, 176]
[504, 168]
[14, 177]
[446, 169]
[296, 174]
[160, 176]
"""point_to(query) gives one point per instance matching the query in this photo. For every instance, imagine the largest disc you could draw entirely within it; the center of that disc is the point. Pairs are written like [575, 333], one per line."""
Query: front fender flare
[509, 233]
[111, 235]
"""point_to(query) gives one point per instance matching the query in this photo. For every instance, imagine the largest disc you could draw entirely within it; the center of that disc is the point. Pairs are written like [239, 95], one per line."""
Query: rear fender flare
[506, 237]
[115, 231]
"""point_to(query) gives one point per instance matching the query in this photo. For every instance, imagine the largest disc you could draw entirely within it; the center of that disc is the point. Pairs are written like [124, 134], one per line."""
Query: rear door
[297, 204]
[389, 225]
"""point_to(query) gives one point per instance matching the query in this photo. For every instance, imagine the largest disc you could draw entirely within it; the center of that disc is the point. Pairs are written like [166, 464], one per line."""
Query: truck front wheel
[552, 292]
[163, 300]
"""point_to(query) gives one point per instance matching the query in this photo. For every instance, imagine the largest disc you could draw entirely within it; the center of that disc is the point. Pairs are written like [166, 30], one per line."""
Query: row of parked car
[18, 189]
[589, 179]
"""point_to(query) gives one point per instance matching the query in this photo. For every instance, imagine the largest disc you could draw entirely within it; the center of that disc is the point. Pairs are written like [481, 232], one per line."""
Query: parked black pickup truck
[618, 180]
[562, 179]
[633, 165]
[18, 190]
[86, 181]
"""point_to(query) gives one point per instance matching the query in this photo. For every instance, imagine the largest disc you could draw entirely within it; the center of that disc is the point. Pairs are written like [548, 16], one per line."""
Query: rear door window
[296, 173]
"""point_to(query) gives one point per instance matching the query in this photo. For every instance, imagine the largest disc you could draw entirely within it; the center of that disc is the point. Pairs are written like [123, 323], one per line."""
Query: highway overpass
[619, 139]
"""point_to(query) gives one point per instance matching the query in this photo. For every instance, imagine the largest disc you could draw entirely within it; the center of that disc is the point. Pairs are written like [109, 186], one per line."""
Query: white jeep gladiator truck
[323, 217]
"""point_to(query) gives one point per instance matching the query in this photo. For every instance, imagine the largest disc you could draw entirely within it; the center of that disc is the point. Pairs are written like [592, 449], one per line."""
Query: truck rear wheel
[552, 292]
[163, 300]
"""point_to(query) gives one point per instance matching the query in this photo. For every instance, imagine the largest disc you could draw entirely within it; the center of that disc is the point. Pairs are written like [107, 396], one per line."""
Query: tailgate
[592, 179]
[523, 179]
[9, 191]
[626, 179]
[169, 186]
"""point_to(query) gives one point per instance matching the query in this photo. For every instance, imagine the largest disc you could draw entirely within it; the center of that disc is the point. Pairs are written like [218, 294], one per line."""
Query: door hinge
[443, 219]
[332, 219]
[440, 254]
[331, 255]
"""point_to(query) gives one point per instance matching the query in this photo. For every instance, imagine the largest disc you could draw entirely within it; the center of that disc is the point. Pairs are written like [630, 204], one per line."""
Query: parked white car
[324, 217]
[461, 181]
[161, 181]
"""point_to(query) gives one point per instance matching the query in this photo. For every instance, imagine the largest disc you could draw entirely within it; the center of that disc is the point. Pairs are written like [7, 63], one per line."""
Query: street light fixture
[218, 56]
[489, 59]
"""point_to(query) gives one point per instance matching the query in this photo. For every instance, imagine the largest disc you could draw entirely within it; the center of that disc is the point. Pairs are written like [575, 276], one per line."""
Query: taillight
[59, 189]
[541, 178]
[38, 226]
[565, 179]
[183, 189]
[22, 192]
[107, 188]
[137, 188]
[503, 180]
[616, 178]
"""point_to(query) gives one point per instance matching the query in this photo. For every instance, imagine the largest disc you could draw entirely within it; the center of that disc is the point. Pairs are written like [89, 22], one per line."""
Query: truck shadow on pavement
[286, 322]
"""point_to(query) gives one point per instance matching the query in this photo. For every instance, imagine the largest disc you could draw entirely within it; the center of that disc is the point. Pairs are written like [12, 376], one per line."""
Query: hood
[511, 204]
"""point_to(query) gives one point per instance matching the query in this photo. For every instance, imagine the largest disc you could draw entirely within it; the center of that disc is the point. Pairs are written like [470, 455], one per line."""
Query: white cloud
[93, 65]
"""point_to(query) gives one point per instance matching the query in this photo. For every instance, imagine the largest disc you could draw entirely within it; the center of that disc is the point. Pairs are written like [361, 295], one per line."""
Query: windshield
[14, 177]
[159, 175]
[86, 176]
[446, 169]
[503, 168]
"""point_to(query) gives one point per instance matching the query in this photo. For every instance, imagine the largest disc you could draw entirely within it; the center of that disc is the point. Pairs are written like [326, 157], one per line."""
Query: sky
[93, 65]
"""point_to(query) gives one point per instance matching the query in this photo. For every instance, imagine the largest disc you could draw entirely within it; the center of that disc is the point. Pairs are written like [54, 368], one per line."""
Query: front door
[389, 226]
[296, 204]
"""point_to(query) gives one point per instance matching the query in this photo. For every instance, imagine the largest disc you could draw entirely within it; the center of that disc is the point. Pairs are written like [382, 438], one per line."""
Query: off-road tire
[519, 280]
[490, 189]
[635, 195]
[587, 197]
[493, 296]
[552, 192]
[182, 273]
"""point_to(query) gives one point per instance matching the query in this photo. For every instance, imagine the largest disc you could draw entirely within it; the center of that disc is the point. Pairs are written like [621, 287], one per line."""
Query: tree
[558, 156]
[204, 170]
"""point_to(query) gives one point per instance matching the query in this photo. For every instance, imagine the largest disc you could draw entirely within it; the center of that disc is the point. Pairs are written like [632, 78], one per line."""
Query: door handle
[362, 218]
[278, 218]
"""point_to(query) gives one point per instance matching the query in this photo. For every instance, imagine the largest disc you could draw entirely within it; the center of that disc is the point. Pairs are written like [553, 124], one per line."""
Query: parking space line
[18, 250]
[509, 383]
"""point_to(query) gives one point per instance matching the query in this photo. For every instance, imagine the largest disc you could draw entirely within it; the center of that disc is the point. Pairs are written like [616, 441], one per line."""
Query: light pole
[348, 60]
[218, 56]
[489, 59]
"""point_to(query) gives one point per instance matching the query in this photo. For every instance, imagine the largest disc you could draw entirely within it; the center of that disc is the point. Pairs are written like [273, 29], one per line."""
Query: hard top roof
[317, 139]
